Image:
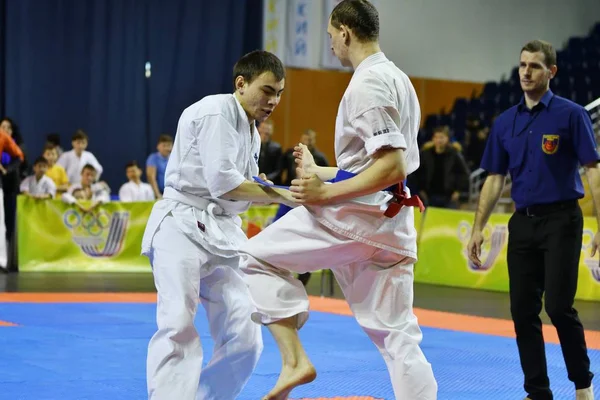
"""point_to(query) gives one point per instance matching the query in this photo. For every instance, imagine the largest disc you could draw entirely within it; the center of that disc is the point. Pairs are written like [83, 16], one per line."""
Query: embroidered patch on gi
[201, 226]
[550, 143]
[256, 158]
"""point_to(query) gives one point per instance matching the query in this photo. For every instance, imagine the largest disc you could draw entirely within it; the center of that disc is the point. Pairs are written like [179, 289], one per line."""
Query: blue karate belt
[400, 200]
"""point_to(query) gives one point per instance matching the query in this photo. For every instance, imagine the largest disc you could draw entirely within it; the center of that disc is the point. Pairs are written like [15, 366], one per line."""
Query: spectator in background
[156, 165]
[476, 146]
[97, 193]
[269, 162]
[309, 139]
[55, 172]
[135, 189]
[16, 169]
[39, 185]
[473, 125]
[443, 173]
[74, 160]
[6, 145]
[54, 138]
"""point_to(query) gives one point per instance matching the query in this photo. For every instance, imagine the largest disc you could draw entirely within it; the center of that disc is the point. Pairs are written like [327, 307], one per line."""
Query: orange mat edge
[427, 318]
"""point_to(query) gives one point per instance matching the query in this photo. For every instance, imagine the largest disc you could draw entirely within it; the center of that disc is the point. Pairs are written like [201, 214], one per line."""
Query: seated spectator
[269, 161]
[39, 185]
[476, 147]
[135, 189]
[156, 165]
[309, 139]
[56, 172]
[97, 193]
[443, 174]
[74, 160]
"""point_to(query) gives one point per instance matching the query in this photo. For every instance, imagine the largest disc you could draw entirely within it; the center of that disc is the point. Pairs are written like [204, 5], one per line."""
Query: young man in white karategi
[135, 189]
[361, 226]
[74, 160]
[38, 185]
[194, 234]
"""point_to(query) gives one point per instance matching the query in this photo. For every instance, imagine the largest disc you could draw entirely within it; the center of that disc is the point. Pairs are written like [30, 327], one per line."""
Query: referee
[542, 141]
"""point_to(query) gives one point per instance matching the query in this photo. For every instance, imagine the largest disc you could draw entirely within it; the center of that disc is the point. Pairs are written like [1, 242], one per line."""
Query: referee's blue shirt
[542, 148]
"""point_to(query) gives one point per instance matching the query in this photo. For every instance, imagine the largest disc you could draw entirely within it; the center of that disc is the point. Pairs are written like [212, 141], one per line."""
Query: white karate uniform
[74, 165]
[132, 191]
[192, 240]
[371, 256]
[43, 186]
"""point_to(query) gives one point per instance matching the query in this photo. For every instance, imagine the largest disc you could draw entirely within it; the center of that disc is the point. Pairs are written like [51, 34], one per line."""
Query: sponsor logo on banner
[494, 239]
[97, 233]
[258, 218]
[593, 263]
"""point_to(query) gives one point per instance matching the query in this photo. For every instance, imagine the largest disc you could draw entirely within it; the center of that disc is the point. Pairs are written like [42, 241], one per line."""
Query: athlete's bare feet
[291, 378]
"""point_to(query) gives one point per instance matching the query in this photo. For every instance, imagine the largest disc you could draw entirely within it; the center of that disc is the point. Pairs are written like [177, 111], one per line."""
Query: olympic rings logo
[92, 223]
[495, 238]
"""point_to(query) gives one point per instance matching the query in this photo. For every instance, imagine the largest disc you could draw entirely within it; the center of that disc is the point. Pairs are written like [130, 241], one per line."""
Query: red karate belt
[400, 200]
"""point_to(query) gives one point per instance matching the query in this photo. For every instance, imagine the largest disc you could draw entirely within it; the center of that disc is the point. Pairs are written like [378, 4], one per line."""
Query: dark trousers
[543, 259]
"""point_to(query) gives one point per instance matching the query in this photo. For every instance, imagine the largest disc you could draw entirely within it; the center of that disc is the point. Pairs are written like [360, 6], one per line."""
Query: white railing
[477, 177]
[594, 109]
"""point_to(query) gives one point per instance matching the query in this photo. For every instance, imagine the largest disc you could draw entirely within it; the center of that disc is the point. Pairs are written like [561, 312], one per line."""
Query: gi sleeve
[51, 188]
[24, 187]
[219, 146]
[376, 118]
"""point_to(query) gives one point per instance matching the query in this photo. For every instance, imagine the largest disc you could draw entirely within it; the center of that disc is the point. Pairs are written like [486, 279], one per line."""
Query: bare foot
[290, 378]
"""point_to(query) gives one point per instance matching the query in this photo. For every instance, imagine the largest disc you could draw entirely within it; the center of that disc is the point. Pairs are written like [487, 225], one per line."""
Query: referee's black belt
[546, 209]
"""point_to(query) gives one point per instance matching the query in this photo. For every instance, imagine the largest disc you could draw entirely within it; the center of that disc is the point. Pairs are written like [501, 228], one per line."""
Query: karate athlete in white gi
[194, 234]
[365, 234]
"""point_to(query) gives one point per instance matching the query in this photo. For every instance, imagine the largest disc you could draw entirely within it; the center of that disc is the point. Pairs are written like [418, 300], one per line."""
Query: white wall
[475, 40]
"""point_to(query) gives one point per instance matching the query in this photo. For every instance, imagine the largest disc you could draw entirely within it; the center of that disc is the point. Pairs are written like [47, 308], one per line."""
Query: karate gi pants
[376, 283]
[183, 272]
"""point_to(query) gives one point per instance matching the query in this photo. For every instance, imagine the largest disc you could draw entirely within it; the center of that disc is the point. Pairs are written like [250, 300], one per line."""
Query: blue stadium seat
[578, 79]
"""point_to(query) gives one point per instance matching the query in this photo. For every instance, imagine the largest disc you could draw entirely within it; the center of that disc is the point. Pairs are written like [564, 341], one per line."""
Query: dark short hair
[164, 138]
[40, 160]
[132, 163]
[89, 167]
[79, 135]
[255, 63]
[360, 16]
[442, 129]
[546, 48]
[50, 146]
[53, 138]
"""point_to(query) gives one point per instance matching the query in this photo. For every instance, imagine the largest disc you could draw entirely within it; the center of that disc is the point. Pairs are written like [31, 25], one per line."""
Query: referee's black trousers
[543, 259]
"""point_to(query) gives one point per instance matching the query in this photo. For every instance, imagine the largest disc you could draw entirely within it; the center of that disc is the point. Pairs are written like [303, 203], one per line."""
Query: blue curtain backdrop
[70, 64]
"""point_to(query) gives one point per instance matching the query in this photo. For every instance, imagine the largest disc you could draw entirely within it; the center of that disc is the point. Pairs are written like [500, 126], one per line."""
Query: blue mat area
[97, 351]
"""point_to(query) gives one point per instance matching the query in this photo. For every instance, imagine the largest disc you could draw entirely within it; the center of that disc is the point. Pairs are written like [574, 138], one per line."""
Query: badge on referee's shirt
[550, 143]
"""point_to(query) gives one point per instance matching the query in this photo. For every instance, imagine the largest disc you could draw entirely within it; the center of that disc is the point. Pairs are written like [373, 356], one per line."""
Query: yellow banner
[443, 258]
[53, 236]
